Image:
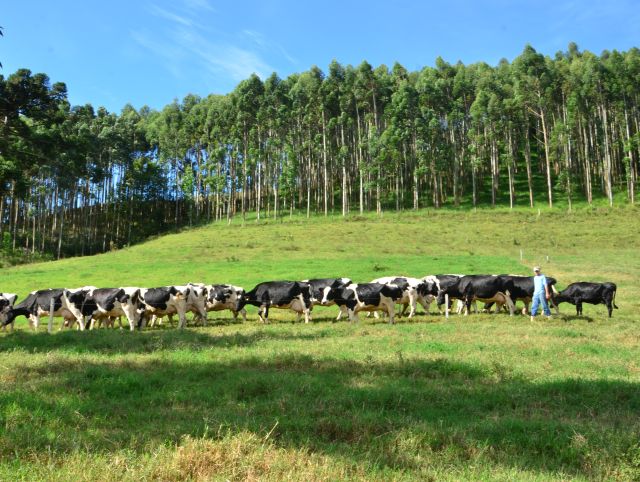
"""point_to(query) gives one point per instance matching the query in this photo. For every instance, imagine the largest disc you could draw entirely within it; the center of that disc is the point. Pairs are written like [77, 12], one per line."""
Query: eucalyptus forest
[76, 180]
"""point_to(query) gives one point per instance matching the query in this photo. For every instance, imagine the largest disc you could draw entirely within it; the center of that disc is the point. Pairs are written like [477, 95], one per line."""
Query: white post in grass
[446, 305]
[50, 325]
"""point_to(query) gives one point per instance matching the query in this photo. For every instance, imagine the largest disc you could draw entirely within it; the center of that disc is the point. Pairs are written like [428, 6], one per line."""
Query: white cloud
[161, 12]
[185, 46]
[198, 5]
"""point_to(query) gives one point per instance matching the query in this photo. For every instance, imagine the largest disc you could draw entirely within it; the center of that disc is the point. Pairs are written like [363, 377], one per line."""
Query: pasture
[478, 397]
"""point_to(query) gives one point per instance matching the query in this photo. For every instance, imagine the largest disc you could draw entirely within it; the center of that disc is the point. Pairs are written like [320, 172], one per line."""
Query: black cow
[482, 288]
[68, 304]
[521, 288]
[294, 295]
[365, 297]
[585, 292]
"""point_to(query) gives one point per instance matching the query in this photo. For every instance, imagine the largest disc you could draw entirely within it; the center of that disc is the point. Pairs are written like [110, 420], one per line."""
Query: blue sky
[148, 52]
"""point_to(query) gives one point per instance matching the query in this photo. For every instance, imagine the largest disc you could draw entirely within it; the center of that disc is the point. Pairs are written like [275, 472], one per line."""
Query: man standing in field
[540, 293]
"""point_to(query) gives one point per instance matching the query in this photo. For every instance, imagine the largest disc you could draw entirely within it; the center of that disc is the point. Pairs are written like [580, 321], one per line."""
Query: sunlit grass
[473, 398]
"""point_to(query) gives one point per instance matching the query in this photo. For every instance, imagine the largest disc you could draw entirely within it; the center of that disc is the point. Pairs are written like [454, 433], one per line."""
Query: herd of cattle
[90, 306]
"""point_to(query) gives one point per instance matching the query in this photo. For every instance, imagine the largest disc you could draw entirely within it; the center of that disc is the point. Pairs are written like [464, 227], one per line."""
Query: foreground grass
[481, 397]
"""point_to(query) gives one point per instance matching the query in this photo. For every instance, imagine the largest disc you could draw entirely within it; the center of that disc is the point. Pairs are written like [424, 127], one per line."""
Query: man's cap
[536, 269]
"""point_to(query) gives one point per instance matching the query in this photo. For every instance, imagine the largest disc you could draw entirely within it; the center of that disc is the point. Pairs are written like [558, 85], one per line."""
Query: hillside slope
[585, 245]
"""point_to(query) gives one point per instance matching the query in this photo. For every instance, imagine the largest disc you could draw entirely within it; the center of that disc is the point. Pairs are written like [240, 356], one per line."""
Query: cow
[365, 297]
[521, 288]
[7, 300]
[163, 301]
[225, 297]
[442, 284]
[116, 302]
[478, 287]
[319, 286]
[414, 291]
[293, 295]
[585, 292]
[197, 301]
[67, 303]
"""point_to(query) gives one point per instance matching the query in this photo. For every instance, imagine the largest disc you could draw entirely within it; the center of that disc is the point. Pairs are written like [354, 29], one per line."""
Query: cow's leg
[36, 322]
[391, 311]
[413, 303]
[307, 314]
[203, 316]
[510, 305]
[467, 305]
[342, 310]
[182, 318]
[578, 307]
[425, 305]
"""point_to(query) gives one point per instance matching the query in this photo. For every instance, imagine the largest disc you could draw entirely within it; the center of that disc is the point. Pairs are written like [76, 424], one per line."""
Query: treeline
[76, 181]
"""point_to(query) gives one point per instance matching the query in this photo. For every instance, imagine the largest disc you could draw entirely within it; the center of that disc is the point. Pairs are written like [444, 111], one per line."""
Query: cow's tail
[613, 300]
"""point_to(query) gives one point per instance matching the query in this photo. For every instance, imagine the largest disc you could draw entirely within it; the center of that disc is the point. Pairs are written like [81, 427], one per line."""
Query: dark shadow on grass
[107, 341]
[392, 415]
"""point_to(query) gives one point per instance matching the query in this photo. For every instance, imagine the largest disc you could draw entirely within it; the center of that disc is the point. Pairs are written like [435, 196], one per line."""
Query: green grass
[473, 398]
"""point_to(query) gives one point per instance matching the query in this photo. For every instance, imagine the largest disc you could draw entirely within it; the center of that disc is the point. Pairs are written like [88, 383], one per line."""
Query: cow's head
[330, 294]
[305, 291]
[242, 300]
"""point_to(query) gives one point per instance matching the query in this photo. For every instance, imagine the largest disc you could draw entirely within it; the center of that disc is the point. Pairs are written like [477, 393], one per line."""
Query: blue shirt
[539, 282]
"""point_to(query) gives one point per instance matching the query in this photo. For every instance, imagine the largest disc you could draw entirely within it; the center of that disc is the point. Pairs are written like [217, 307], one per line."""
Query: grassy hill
[479, 397]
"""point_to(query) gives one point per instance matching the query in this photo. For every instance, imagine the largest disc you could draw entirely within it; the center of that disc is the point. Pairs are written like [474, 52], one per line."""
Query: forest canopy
[75, 180]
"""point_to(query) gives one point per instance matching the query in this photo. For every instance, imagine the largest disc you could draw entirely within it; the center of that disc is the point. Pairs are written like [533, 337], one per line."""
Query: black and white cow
[68, 304]
[585, 292]
[485, 288]
[414, 291]
[521, 289]
[440, 285]
[197, 301]
[365, 297]
[225, 297]
[319, 286]
[7, 300]
[293, 295]
[166, 300]
[116, 302]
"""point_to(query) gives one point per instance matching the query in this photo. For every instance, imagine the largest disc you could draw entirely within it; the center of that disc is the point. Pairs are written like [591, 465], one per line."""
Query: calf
[293, 295]
[585, 292]
[225, 297]
[365, 297]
